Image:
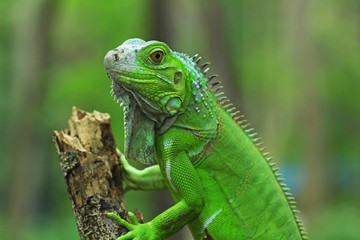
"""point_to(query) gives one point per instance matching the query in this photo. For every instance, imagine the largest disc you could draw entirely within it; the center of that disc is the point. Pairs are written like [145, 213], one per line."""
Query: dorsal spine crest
[225, 103]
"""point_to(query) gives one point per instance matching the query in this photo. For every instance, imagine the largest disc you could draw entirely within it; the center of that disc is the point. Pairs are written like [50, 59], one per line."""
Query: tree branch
[92, 172]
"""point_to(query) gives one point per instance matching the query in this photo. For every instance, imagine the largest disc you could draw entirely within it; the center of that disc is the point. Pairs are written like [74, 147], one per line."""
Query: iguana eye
[157, 56]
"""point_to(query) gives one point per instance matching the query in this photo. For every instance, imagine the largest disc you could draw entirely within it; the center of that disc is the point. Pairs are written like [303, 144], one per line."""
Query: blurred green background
[292, 66]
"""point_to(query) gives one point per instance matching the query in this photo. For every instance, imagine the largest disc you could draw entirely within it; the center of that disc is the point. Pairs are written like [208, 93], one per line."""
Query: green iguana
[207, 156]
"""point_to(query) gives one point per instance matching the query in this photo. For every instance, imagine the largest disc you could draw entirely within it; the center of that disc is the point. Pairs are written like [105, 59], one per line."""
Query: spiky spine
[216, 87]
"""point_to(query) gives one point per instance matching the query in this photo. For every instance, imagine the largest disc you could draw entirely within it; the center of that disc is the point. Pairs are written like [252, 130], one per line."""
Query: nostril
[116, 57]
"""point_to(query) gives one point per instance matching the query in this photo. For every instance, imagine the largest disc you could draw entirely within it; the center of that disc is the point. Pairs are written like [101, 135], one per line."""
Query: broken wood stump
[92, 172]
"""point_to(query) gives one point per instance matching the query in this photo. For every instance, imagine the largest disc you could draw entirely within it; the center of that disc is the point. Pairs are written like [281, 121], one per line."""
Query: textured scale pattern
[240, 120]
[214, 164]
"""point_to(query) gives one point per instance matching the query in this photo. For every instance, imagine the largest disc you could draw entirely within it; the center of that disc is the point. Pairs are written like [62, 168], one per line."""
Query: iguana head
[149, 79]
[152, 73]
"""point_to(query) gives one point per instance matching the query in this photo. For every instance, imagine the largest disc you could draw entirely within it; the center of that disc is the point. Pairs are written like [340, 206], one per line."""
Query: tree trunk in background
[219, 50]
[312, 112]
[162, 22]
[31, 55]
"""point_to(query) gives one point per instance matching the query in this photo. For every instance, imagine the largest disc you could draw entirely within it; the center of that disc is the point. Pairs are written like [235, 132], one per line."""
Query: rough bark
[89, 162]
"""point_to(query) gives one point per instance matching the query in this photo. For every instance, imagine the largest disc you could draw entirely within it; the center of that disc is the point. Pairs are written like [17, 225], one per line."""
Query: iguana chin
[209, 159]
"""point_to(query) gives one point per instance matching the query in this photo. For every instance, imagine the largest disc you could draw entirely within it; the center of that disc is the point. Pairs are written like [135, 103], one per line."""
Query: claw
[133, 218]
[119, 220]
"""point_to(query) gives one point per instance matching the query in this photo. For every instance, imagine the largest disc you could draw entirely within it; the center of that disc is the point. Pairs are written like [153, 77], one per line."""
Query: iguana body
[207, 156]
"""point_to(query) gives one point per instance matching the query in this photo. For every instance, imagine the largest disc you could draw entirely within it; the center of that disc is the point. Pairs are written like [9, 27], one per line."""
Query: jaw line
[119, 90]
[132, 102]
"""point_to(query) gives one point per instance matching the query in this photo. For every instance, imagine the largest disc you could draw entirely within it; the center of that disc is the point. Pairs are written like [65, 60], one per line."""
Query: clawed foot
[137, 231]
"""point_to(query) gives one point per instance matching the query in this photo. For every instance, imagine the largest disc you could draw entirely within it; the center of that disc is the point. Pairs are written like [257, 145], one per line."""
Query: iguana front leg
[185, 183]
[149, 178]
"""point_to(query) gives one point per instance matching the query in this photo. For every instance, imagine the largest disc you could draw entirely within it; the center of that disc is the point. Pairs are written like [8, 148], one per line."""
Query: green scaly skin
[211, 162]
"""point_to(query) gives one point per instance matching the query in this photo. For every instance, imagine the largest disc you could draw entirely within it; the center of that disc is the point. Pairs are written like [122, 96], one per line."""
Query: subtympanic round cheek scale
[173, 105]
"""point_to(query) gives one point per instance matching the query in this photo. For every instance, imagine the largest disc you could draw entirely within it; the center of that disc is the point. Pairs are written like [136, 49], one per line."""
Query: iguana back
[245, 193]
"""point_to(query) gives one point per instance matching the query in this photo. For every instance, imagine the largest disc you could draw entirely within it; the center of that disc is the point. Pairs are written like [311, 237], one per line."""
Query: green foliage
[336, 221]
